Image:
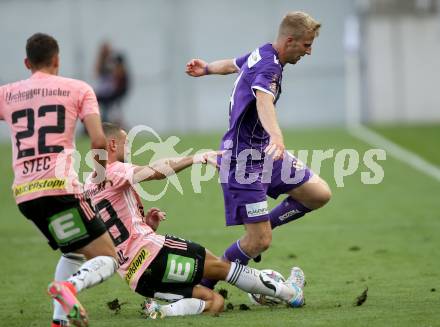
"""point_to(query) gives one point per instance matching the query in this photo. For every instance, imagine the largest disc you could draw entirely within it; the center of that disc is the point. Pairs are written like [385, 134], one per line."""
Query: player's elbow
[161, 169]
[158, 176]
[233, 69]
[150, 176]
[157, 172]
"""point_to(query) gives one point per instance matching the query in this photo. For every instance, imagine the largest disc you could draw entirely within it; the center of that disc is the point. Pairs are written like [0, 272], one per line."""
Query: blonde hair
[298, 23]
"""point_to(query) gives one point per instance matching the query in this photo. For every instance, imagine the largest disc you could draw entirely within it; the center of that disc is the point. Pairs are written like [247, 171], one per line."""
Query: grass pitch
[384, 237]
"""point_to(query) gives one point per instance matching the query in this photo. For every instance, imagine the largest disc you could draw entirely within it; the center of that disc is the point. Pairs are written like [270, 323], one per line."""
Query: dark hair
[40, 49]
[111, 129]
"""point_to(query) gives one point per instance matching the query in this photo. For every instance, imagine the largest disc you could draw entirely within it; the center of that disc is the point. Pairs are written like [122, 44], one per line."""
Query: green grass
[423, 139]
[394, 224]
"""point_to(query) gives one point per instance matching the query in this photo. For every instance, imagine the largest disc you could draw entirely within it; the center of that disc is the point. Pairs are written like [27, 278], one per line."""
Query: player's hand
[153, 217]
[275, 149]
[196, 67]
[209, 157]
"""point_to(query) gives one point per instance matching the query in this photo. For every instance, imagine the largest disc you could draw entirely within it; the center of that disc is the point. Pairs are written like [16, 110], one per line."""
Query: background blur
[375, 60]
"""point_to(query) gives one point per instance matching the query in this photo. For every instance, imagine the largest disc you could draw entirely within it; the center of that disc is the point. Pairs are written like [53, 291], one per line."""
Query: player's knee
[214, 303]
[218, 303]
[102, 246]
[320, 197]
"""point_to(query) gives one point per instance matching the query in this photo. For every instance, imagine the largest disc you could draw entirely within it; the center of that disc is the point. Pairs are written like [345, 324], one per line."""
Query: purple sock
[209, 283]
[287, 211]
[234, 253]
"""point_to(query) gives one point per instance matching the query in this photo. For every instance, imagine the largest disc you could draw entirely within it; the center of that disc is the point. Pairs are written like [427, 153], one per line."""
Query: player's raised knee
[322, 196]
[318, 194]
[218, 303]
[214, 302]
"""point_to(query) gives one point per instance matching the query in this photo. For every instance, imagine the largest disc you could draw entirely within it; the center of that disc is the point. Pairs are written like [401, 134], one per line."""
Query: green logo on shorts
[179, 269]
[66, 226]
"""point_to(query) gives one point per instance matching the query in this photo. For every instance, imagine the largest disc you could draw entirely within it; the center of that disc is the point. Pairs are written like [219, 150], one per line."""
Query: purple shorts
[246, 187]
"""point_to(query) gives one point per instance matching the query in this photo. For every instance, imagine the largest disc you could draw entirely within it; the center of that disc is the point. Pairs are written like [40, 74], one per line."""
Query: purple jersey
[259, 70]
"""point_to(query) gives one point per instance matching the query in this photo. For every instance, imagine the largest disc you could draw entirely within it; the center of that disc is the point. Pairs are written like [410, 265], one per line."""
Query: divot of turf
[223, 292]
[229, 307]
[115, 306]
[244, 307]
[362, 298]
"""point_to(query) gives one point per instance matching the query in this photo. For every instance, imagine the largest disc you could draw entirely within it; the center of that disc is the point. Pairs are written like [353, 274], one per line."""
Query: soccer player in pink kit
[41, 113]
[167, 267]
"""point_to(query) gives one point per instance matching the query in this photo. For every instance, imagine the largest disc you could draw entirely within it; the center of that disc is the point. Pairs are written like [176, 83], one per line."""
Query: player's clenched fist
[153, 217]
[196, 67]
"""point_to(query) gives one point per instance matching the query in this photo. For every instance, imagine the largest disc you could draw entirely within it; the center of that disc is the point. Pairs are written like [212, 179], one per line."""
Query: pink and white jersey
[122, 211]
[41, 113]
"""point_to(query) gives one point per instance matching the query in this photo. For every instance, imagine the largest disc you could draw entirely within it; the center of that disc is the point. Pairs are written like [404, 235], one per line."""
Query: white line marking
[410, 158]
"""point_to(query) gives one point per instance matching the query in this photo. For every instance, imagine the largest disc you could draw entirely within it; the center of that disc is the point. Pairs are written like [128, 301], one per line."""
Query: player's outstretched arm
[160, 169]
[267, 114]
[98, 141]
[199, 67]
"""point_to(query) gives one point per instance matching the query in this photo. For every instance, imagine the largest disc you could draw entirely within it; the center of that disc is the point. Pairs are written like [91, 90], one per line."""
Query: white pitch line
[410, 158]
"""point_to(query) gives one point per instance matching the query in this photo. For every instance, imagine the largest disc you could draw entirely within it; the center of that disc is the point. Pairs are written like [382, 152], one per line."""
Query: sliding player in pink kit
[41, 113]
[167, 267]
[255, 142]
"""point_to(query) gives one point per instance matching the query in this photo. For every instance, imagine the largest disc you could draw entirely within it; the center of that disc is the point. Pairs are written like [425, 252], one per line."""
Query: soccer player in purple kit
[258, 164]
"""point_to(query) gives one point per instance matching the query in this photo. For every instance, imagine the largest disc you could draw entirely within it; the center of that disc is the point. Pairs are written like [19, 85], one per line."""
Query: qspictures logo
[235, 166]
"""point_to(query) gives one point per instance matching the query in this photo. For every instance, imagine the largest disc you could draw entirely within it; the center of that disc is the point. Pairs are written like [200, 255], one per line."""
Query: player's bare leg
[102, 246]
[68, 264]
[101, 265]
[251, 280]
[203, 300]
[214, 302]
[206, 300]
[313, 194]
[256, 240]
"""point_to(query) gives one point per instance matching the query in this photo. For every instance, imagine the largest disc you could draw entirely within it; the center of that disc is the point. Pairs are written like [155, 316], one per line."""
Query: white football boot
[152, 309]
[297, 277]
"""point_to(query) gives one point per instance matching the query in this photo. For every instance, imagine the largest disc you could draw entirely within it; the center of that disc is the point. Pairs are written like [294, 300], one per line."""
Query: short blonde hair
[298, 23]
